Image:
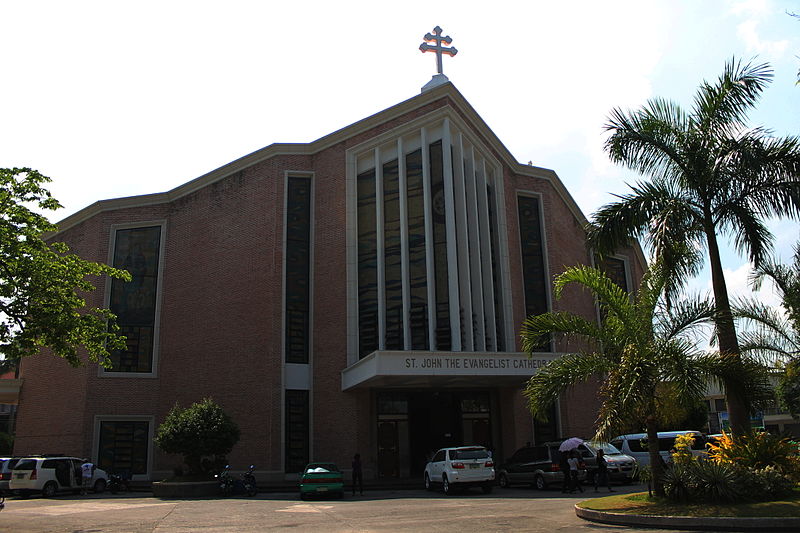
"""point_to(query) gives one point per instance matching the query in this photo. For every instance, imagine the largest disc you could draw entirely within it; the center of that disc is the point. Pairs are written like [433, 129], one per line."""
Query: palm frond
[648, 140]
[544, 388]
[685, 317]
[535, 327]
[611, 297]
[721, 108]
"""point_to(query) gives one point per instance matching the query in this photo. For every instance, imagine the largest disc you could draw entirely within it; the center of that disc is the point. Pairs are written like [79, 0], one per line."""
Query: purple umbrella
[570, 444]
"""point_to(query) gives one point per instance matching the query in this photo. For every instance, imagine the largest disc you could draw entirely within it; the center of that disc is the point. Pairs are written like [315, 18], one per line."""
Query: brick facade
[222, 293]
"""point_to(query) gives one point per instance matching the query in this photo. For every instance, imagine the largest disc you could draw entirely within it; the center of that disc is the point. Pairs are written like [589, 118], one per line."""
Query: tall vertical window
[134, 302]
[417, 271]
[297, 430]
[367, 265]
[533, 268]
[123, 446]
[440, 266]
[496, 285]
[614, 268]
[298, 251]
[392, 259]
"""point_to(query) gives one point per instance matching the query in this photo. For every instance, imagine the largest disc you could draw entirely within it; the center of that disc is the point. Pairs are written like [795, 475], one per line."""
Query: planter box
[185, 489]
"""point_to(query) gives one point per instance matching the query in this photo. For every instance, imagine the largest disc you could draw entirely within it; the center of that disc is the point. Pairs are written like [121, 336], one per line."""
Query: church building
[362, 293]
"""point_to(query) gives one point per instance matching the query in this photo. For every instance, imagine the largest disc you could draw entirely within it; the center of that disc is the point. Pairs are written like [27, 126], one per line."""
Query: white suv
[50, 475]
[466, 466]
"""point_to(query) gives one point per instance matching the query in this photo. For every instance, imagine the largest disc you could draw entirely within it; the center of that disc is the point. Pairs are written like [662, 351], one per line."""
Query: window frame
[113, 229]
[99, 419]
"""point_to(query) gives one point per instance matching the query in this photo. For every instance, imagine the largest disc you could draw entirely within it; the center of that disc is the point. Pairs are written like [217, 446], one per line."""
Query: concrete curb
[691, 523]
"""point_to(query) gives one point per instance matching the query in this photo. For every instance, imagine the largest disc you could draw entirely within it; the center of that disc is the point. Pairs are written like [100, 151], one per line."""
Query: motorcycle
[118, 483]
[249, 481]
[225, 481]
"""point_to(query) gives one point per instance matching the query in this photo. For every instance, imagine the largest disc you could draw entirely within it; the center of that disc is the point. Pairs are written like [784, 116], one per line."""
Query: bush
[704, 481]
[755, 451]
[683, 449]
[202, 433]
[767, 483]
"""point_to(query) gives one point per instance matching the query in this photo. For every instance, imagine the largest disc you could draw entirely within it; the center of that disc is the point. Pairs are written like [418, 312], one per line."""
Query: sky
[114, 99]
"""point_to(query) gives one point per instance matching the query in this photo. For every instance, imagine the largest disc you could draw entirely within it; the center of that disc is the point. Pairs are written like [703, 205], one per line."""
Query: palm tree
[710, 176]
[643, 353]
[770, 335]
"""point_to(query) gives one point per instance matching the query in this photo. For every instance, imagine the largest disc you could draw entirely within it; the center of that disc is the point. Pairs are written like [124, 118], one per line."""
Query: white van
[635, 445]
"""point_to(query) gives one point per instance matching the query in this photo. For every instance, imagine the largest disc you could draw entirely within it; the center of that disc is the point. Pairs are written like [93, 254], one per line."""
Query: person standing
[358, 476]
[563, 465]
[601, 474]
[87, 471]
[573, 472]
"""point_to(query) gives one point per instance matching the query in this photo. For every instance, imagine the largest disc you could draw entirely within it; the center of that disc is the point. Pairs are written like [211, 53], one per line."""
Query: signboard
[418, 368]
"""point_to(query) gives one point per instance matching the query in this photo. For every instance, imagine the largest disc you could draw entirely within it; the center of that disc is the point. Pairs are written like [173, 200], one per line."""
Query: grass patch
[641, 504]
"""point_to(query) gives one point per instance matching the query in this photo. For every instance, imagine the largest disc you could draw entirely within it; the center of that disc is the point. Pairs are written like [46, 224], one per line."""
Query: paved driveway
[380, 511]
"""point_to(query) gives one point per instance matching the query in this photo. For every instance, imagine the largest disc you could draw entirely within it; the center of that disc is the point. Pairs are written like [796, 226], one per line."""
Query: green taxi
[321, 479]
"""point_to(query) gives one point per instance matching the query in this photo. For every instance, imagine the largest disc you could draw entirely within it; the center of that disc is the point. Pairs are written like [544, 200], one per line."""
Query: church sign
[417, 368]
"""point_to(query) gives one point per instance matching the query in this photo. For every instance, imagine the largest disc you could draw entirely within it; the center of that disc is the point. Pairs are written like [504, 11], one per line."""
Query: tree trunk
[656, 465]
[738, 414]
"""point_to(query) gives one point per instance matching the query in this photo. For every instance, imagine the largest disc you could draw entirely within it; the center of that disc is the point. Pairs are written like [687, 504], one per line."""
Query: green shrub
[767, 483]
[717, 482]
[678, 482]
[202, 433]
[755, 451]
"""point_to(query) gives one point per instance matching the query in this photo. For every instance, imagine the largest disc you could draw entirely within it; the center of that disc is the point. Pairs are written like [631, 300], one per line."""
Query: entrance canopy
[443, 369]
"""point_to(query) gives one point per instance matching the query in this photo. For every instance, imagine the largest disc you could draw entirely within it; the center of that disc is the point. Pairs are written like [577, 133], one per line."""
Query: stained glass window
[367, 265]
[533, 269]
[298, 248]
[297, 430]
[123, 446]
[440, 266]
[417, 270]
[134, 302]
[391, 256]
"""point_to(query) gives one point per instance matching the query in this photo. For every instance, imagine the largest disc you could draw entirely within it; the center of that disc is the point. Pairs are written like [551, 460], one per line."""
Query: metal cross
[436, 36]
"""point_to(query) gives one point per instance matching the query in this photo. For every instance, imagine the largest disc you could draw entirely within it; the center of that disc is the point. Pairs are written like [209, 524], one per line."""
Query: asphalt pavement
[515, 509]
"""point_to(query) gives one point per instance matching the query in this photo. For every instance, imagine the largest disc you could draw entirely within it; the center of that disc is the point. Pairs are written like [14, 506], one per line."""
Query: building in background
[360, 293]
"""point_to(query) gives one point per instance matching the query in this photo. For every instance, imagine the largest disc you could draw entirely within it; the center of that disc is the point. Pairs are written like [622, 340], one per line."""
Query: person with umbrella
[569, 451]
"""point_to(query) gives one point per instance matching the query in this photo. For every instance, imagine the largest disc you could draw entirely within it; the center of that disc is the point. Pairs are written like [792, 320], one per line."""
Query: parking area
[515, 509]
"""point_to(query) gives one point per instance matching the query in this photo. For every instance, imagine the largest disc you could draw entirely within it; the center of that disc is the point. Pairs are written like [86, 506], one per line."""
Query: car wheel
[503, 481]
[428, 485]
[487, 488]
[539, 482]
[446, 486]
[99, 486]
[49, 490]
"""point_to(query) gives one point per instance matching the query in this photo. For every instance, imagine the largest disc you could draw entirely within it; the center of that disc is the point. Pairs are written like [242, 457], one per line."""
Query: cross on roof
[436, 37]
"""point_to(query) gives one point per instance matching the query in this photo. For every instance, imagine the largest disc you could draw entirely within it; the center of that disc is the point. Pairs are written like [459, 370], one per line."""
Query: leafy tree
[41, 283]
[201, 431]
[642, 351]
[710, 176]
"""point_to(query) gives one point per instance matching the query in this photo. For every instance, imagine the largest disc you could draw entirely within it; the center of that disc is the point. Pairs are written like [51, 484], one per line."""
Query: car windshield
[26, 464]
[471, 453]
[608, 449]
[316, 468]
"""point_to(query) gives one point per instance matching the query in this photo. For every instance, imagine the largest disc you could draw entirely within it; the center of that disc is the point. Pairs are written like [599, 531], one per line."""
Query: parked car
[50, 475]
[321, 479]
[621, 467]
[535, 465]
[6, 466]
[465, 466]
[635, 445]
